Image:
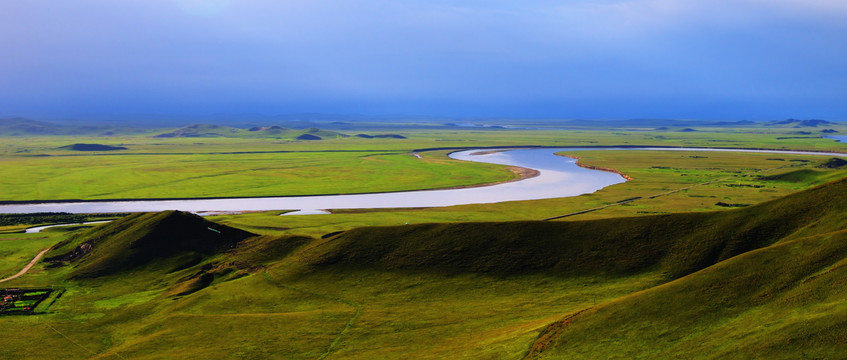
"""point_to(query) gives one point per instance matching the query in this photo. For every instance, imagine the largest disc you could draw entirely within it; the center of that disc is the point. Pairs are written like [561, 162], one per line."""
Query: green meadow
[37, 168]
[703, 255]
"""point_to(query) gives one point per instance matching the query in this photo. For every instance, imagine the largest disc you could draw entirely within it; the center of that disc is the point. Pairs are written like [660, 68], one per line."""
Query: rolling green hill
[18, 126]
[675, 244]
[785, 300]
[138, 239]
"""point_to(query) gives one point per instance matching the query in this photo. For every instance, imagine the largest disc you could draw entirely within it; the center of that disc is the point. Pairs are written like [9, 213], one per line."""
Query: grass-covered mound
[92, 147]
[201, 130]
[834, 163]
[142, 238]
[308, 137]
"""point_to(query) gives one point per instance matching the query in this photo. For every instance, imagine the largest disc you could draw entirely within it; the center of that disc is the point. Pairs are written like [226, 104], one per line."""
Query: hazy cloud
[693, 58]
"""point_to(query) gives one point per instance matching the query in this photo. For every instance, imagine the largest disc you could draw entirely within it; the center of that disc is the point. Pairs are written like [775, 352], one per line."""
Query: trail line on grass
[347, 326]
[78, 344]
[69, 339]
[636, 198]
[27, 267]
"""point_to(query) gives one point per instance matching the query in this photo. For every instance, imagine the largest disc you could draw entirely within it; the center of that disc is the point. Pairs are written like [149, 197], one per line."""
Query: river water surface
[558, 177]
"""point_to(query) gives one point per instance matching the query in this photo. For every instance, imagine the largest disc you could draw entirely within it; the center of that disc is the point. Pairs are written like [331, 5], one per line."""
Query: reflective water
[559, 177]
[38, 229]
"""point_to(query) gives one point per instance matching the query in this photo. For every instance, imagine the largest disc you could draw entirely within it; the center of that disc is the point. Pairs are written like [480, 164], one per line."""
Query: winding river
[558, 177]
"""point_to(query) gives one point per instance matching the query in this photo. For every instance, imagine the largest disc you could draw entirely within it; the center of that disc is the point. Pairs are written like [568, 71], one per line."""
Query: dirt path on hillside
[27, 267]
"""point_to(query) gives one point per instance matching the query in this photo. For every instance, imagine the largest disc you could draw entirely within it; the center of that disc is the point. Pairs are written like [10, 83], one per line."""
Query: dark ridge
[380, 136]
[723, 204]
[829, 131]
[329, 235]
[801, 123]
[833, 163]
[139, 239]
[309, 137]
[92, 147]
[733, 123]
[389, 136]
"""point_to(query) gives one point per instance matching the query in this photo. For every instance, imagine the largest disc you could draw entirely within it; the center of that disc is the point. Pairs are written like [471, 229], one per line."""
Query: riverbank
[592, 167]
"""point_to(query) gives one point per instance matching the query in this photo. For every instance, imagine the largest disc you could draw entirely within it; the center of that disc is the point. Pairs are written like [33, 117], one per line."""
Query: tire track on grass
[347, 326]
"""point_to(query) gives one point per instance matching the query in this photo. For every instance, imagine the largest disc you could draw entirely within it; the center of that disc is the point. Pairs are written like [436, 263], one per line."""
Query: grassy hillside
[141, 238]
[785, 301]
[674, 244]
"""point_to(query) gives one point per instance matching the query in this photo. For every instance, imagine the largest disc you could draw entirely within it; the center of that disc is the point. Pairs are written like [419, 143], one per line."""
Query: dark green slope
[783, 301]
[675, 244]
[767, 281]
[138, 239]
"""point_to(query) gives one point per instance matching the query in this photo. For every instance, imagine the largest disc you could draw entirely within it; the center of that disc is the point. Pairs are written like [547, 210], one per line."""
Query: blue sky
[702, 59]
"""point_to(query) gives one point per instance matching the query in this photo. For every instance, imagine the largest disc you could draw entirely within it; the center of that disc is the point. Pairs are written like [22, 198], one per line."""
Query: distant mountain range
[327, 126]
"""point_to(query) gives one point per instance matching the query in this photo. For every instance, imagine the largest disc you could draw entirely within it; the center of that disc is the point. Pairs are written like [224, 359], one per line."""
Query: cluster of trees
[49, 218]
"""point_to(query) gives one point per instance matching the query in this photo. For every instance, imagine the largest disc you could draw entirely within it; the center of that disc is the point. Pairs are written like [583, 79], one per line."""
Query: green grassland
[235, 175]
[758, 280]
[37, 168]
[669, 274]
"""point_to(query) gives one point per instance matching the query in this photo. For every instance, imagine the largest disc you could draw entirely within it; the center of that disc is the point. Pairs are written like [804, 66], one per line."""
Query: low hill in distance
[201, 130]
[800, 123]
[210, 130]
[92, 147]
[380, 136]
[834, 163]
[308, 137]
[19, 126]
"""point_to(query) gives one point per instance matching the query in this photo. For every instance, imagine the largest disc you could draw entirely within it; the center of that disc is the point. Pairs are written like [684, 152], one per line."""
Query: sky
[602, 59]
